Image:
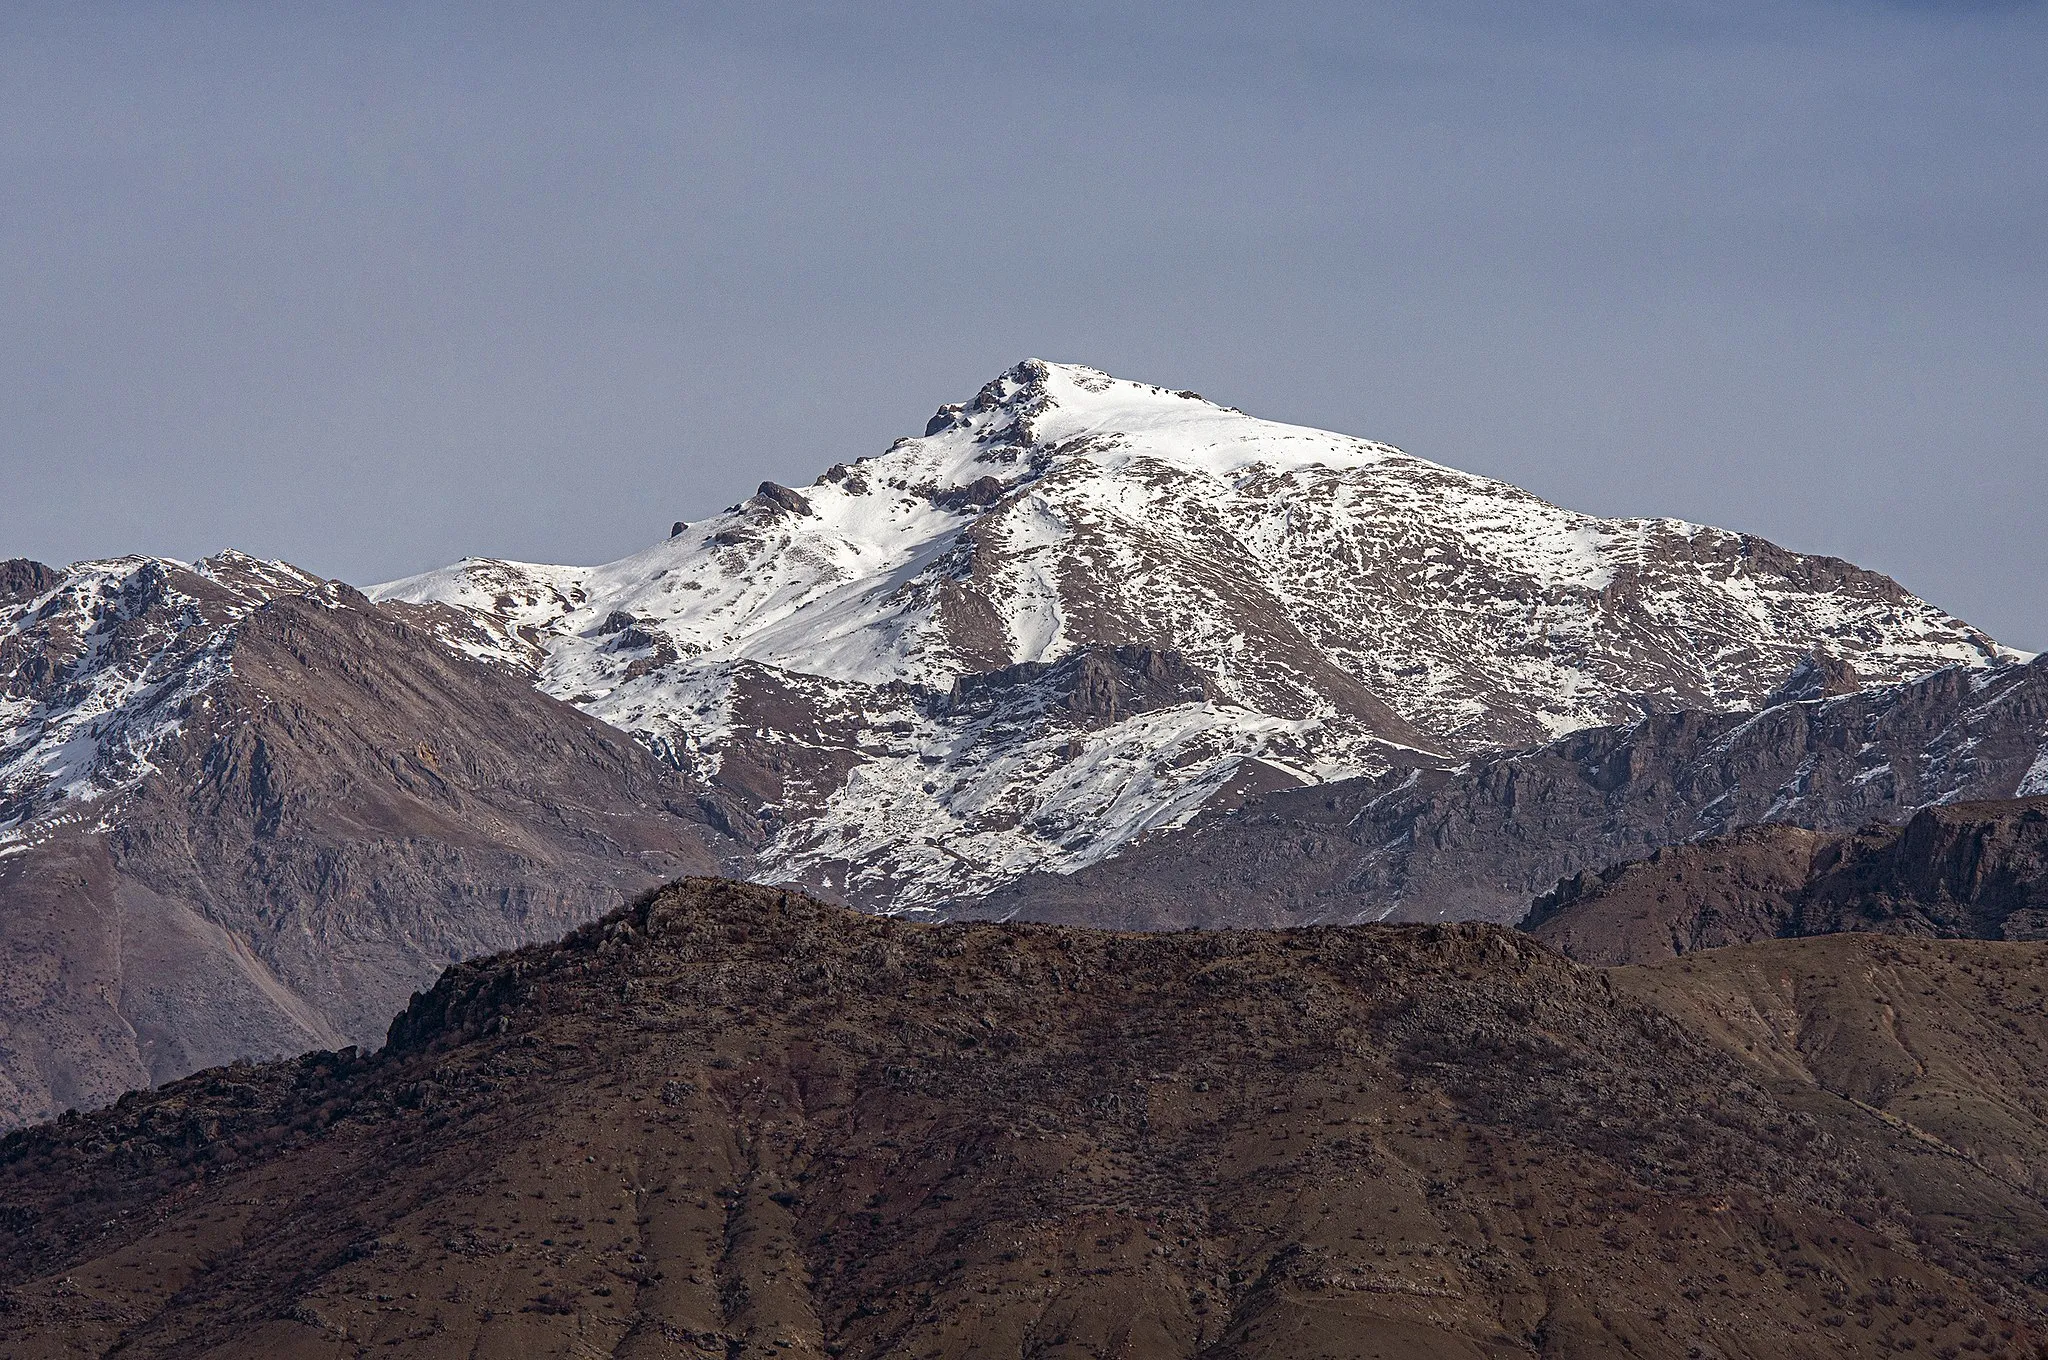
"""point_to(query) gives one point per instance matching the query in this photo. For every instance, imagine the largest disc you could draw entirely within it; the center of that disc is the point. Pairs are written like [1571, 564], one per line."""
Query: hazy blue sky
[372, 288]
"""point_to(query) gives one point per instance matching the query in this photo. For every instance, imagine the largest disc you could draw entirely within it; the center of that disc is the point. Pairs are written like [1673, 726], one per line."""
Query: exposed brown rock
[22, 579]
[1970, 870]
[1099, 681]
[1821, 675]
[774, 494]
[979, 493]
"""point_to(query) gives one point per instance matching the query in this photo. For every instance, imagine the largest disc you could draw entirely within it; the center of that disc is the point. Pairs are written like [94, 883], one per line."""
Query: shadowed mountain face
[1971, 870]
[278, 828]
[1481, 841]
[732, 1121]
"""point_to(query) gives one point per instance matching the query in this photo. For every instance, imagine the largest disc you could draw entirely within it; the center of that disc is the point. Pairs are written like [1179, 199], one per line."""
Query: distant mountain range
[1086, 649]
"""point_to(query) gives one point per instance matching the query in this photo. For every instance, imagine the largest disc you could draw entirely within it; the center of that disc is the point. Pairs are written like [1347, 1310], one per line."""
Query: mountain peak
[1041, 414]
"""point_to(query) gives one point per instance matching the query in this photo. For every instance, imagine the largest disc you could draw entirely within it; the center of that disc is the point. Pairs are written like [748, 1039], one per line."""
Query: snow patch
[2034, 784]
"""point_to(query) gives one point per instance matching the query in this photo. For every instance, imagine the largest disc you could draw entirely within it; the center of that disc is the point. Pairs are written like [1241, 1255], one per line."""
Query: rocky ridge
[733, 1121]
[1955, 871]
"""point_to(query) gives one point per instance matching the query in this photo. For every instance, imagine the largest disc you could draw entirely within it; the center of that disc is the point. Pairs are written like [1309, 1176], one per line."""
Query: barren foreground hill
[731, 1121]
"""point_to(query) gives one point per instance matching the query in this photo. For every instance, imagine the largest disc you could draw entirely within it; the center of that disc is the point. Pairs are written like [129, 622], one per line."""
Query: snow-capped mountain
[1048, 642]
[1078, 609]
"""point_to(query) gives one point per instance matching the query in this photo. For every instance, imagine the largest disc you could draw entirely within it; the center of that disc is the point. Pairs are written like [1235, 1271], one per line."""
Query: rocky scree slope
[1482, 840]
[1348, 608]
[249, 812]
[1967, 870]
[733, 1121]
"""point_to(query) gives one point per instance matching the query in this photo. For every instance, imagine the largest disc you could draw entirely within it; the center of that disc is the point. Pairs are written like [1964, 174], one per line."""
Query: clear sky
[375, 287]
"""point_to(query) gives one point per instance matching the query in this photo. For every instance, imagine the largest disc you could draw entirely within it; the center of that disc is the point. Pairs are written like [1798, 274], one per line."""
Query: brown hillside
[1946, 1041]
[730, 1121]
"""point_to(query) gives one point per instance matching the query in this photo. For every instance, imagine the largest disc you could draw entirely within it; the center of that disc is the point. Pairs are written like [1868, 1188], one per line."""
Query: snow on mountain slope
[100, 663]
[1480, 841]
[905, 796]
[1351, 607]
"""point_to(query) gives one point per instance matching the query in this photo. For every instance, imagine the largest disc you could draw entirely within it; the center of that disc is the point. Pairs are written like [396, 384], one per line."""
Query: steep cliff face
[1482, 840]
[1975, 871]
[1966, 870]
[250, 821]
[1351, 608]
[733, 1121]
[1681, 899]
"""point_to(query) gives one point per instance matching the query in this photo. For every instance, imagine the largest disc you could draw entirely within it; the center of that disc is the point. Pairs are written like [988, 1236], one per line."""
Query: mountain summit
[870, 669]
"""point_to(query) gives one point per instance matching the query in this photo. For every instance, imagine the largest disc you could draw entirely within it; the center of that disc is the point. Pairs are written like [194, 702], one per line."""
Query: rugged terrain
[1231, 671]
[1333, 607]
[1968, 870]
[732, 1121]
[1480, 841]
[250, 812]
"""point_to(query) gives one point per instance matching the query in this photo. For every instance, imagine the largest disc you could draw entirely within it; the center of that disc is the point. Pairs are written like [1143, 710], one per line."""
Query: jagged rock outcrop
[773, 494]
[1684, 898]
[1100, 682]
[1819, 676]
[22, 579]
[1964, 870]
